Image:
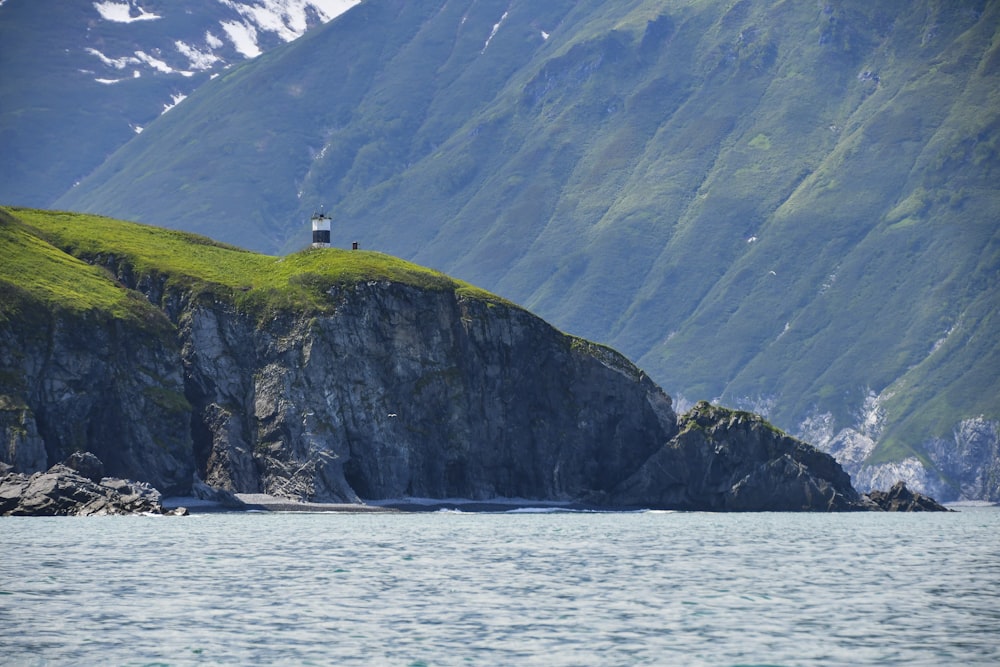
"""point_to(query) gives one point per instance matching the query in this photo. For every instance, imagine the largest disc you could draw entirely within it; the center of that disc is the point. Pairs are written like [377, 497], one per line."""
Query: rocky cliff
[90, 382]
[404, 392]
[382, 388]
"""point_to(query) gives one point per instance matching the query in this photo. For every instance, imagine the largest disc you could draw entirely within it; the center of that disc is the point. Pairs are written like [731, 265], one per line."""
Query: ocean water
[522, 588]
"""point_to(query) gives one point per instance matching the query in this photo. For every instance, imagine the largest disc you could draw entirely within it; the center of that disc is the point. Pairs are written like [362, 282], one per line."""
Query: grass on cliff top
[33, 272]
[45, 247]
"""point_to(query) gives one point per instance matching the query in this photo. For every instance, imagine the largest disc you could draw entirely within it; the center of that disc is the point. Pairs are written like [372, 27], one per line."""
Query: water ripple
[488, 589]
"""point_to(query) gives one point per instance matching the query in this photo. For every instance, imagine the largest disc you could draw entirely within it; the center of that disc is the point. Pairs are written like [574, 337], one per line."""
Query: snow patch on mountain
[331, 9]
[199, 60]
[155, 63]
[212, 41]
[243, 37]
[116, 63]
[175, 99]
[288, 19]
[493, 33]
[121, 12]
[138, 58]
[287, 22]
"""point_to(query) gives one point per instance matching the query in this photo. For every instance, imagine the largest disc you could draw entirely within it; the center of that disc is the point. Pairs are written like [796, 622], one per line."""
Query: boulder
[222, 497]
[901, 499]
[86, 464]
[73, 488]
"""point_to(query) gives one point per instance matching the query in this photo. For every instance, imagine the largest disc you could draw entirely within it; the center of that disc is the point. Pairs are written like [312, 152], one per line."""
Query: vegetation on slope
[49, 255]
[37, 278]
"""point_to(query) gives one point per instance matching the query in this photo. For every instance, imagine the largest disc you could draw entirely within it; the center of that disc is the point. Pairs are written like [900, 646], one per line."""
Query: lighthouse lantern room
[321, 230]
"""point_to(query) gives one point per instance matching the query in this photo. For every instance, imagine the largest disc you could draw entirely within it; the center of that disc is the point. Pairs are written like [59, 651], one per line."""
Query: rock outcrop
[965, 466]
[76, 487]
[727, 460]
[901, 499]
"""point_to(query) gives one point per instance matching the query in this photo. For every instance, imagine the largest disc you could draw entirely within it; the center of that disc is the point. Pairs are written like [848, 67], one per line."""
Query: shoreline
[262, 502]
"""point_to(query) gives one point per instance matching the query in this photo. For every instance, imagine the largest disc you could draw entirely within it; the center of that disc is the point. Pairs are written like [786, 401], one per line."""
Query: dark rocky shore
[77, 487]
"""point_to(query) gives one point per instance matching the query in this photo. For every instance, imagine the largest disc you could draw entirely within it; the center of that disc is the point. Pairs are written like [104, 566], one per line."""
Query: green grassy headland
[55, 259]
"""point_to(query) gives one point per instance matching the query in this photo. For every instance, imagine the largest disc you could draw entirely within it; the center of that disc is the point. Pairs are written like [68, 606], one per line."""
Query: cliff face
[404, 392]
[96, 384]
[400, 392]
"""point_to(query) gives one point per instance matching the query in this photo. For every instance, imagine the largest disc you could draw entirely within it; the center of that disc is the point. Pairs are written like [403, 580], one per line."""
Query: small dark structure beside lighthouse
[321, 230]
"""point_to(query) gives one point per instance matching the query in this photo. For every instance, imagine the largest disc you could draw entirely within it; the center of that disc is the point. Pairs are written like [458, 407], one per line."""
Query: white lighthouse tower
[321, 230]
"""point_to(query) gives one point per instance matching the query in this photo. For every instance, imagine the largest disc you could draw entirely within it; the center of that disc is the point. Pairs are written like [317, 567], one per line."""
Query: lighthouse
[321, 230]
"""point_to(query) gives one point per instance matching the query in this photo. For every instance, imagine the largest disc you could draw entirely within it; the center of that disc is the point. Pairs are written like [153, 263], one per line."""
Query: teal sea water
[519, 588]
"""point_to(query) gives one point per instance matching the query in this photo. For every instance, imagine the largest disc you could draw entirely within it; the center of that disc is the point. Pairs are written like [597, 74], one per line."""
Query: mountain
[784, 207]
[340, 375]
[81, 78]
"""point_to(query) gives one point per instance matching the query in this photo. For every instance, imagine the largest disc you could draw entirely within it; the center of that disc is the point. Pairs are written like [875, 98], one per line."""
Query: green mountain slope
[786, 207]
